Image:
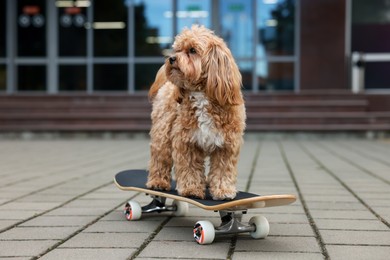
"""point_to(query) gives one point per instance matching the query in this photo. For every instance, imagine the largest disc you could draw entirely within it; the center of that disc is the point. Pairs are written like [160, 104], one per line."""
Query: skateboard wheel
[262, 227]
[204, 232]
[133, 210]
[181, 208]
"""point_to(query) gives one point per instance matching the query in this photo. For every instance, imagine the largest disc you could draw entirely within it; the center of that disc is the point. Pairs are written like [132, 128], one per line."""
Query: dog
[198, 112]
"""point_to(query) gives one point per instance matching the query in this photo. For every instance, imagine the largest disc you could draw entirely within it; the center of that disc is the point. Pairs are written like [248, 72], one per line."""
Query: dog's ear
[160, 79]
[223, 82]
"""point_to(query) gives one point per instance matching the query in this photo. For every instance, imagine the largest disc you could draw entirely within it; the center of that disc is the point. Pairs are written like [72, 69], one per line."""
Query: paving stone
[356, 237]
[383, 202]
[282, 218]
[329, 198]
[25, 206]
[77, 212]
[334, 205]
[18, 214]
[88, 253]
[278, 229]
[178, 250]
[44, 198]
[170, 258]
[348, 228]
[190, 221]
[38, 233]
[279, 244]
[123, 226]
[7, 223]
[24, 248]
[59, 221]
[358, 252]
[276, 256]
[295, 208]
[118, 215]
[176, 234]
[106, 240]
[15, 258]
[350, 224]
[93, 203]
[341, 214]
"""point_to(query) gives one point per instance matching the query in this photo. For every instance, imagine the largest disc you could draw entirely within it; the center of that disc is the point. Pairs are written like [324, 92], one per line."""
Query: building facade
[90, 46]
[86, 65]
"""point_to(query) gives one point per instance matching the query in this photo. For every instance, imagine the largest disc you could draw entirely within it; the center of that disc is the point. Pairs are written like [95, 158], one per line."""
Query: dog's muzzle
[172, 60]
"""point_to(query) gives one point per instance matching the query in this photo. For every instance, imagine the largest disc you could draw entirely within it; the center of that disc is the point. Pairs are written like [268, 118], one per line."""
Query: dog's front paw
[193, 193]
[160, 185]
[223, 194]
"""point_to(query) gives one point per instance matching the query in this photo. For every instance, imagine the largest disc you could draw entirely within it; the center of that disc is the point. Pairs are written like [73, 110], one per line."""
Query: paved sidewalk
[58, 201]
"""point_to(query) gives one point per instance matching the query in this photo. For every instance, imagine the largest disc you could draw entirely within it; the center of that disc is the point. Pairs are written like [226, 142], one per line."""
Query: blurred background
[86, 65]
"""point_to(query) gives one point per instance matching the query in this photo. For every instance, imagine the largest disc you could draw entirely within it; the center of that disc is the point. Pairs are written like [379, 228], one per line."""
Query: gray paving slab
[342, 214]
[89, 253]
[190, 250]
[356, 237]
[351, 224]
[38, 233]
[276, 256]
[106, 240]
[123, 226]
[25, 248]
[358, 252]
[64, 205]
[279, 244]
[58, 221]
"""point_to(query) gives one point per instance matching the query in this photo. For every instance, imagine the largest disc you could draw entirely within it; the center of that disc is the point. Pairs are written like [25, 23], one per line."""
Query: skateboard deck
[204, 231]
[135, 180]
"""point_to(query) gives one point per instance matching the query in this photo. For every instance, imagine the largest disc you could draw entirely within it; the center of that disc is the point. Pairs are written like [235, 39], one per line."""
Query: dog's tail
[159, 81]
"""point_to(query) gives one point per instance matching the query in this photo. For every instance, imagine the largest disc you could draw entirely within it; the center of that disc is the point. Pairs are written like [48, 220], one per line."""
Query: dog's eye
[192, 51]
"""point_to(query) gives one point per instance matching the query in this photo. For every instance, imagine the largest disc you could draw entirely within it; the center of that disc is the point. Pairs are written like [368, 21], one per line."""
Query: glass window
[2, 28]
[31, 78]
[191, 12]
[112, 77]
[31, 21]
[246, 68]
[236, 25]
[275, 76]
[110, 28]
[3, 77]
[376, 75]
[370, 26]
[276, 28]
[153, 27]
[145, 75]
[72, 78]
[71, 25]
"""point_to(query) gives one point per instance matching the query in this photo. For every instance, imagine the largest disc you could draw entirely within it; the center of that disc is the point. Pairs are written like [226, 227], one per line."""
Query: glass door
[31, 51]
[370, 40]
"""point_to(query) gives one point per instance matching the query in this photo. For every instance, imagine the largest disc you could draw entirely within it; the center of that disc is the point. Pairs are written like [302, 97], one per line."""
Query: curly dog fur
[198, 112]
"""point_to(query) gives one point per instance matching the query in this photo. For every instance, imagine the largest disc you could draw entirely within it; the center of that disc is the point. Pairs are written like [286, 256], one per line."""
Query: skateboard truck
[205, 232]
[231, 224]
[157, 205]
[133, 209]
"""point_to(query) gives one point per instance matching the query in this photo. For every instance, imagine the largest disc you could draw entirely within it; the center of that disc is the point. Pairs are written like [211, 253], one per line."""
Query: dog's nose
[172, 60]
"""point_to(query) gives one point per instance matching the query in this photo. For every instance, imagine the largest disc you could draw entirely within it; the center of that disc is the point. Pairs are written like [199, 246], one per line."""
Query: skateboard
[204, 231]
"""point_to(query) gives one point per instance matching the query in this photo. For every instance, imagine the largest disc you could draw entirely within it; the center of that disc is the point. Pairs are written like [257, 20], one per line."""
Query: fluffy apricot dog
[198, 112]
